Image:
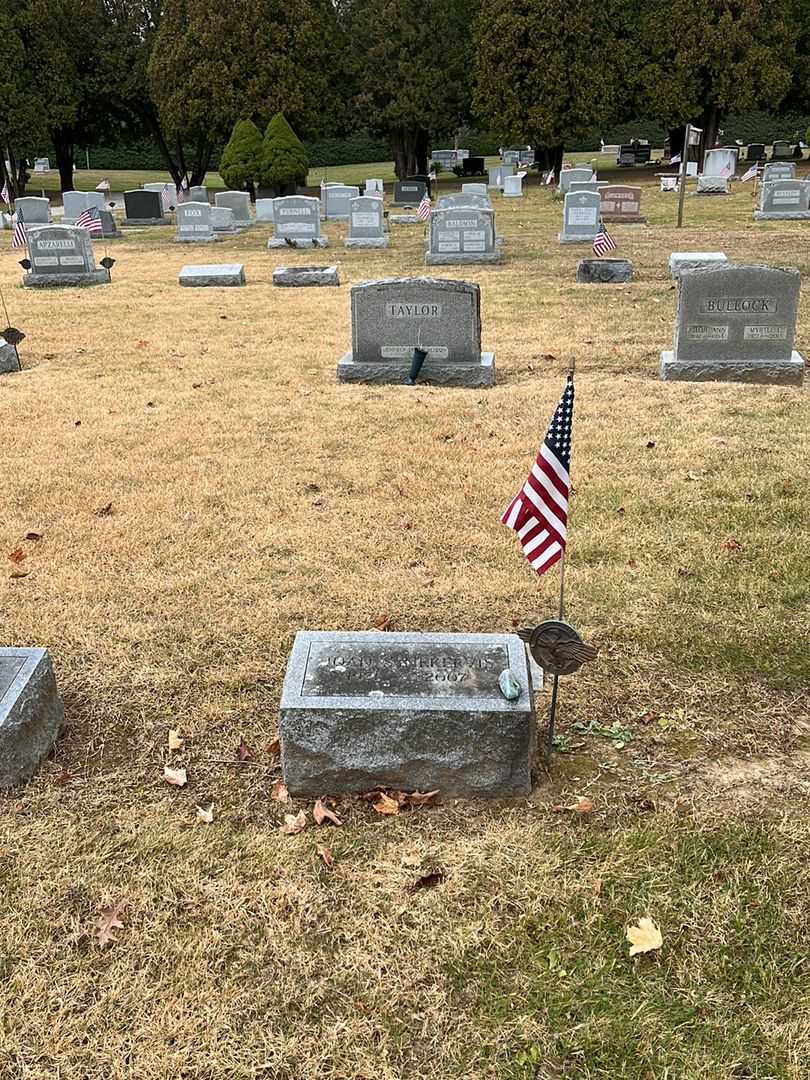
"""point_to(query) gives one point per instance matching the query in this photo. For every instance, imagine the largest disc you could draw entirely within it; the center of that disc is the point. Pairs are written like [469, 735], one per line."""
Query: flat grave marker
[212, 274]
[31, 713]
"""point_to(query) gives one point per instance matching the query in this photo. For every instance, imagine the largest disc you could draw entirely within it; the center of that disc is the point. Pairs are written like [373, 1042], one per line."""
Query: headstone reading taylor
[393, 317]
[297, 219]
[736, 324]
[31, 713]
[366, 223]
[408, 711]
[62, 255]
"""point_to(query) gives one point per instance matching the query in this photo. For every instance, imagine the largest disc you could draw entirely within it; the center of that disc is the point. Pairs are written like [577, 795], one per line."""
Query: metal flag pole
[682, 185]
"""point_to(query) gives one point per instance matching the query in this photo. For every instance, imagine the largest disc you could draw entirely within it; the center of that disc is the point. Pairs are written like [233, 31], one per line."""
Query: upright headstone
[778, 170]
[583, 174]
[513, 186]
[722, 161]
[451, 202]
[297, 222]
[410, 711]
[194, 224]
[222, 221]
[31, 713]
[447, 159]
[681, 261]
[474, 189]
[782, 149]
[109, 226]
[198, 193]
[264, 209]
[736, 324]
[756, 152]
[393, 317]
[35, 211]
[373, 187]
[62, 255]
[76, 202]
[587, 185]
[497, 173]
[465, 234]
[409, 192]
[366, 223]
[581, 211]
[621, 203]
[239, 202]
[335, 200]
[784, 200]
[41, 165]
[142, 207]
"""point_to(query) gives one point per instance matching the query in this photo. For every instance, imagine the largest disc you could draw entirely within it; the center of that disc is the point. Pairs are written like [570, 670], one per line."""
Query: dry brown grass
[252, 496]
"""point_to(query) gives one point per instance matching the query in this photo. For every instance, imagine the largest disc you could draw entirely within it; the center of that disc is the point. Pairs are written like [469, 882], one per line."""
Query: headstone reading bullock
[581, 211]
[297, 219]
[394, 317]
[413, 711]
[736, 324]
[366, 223]
[62, 255]
[239, 202]
[784, 200]
[464, 234]
[194, 224]
[621, 203]
[31, 713]
[142, 207]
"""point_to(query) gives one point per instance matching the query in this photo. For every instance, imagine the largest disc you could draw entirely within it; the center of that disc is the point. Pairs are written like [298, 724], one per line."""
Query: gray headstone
[780, 170]
[406, 711]
[373, 186]
[35, 211]
[194, 224]
[198, 193]
[679, 261]
[222, 221]
[451, 202]
[264, 209]
[239, 202]
[31, 713]
[409, 192]
[604, 271]
[366, 223]
[462, 235]
[621, 203]
[736, 324]
[9, 360]
[297, 218]
[587, 185]
[474, 189]
[581, 213]
[712, 185]
[305, 276]
[497, 174]
[392, 317]
[109, 226]
[335, 200]
[41, 164]
[76, 202]
[156, 186]
[62, 255]
[142, 207]
[784, 200]
[581, 175]
[722, 161]
[226, 274]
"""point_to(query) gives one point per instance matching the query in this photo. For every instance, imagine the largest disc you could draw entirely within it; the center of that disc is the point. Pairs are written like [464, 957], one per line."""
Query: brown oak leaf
[385, 804]
[279, 793]
[109, 920]
[322, 813]
[293, 823]
[175, 777]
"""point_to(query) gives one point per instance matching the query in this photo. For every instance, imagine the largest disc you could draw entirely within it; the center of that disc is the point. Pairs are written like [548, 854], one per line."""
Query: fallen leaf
[583, 805]
[279, 793]
[731, 544]
[176, 777]
[244, 752]
[383, 622]
[17, 555]
[645, 937]
[327, 857]
[176, 740]
[109, 920]
[274, 747]
[33, 536]
[141, 344]
[61, 778]
[421, 798]
[650, 445]
[322, 813]
[427, 881]
[293, 823]
[17, 574]
[104, 511]
[205, 816]
[386, 805]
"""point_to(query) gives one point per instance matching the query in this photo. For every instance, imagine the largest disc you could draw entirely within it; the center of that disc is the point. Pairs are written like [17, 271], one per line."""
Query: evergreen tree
[22, 116]
[284, 161]
[240, 161]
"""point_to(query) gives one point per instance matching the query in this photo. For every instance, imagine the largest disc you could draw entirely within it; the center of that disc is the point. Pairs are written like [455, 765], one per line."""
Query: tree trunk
[63, 145]
[549, 157]
[422, 153]
[404, 147]
[676, 138]
[710, 122]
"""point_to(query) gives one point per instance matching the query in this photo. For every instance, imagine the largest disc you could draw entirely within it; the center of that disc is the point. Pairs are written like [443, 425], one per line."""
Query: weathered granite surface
[213, 274]
[367, 241]
[300, 243]
[56, 281]
[31, 713]
[603, 271]
[435, 372]
[304, 276]
[406, 711]
[778, 372]
[9, 360]
[679, 261]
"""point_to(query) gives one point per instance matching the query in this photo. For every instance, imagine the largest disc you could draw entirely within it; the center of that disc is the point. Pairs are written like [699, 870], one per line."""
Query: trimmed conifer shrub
[240, 161]
[284, 161]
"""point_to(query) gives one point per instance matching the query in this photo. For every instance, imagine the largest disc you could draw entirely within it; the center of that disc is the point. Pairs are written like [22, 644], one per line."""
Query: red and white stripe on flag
[90, 220]
[538, 514]
[19, 237]
[423, 210]
[603, 243]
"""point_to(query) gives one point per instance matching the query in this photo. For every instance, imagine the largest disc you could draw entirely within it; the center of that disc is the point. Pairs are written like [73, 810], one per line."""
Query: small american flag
[750, 174]
[539, 511]
[675, 160]
[20, 236]
[104, 185]
[89, 219]
[603, 242]
[166, 198]
[5, 195]
[423, 210]
[550, 176]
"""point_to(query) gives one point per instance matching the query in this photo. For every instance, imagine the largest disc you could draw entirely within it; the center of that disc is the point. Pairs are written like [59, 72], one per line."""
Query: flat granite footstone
[736, 324]
[214, 274]
[9, 360]
[416, 712]
[31, 713]
[403, 219]
[604, 271]
[302, 276]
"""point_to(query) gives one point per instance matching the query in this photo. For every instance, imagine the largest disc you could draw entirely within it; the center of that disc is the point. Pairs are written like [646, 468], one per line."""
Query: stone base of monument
[59, 281]
[435, 372]
[781, 215]
[623, 219]
[31, 713]
[567, 238]
[304, 276]
[146, 221]
[694, 260]
[712, 185]
[403, 219]
[604, 271]
[9, 360]
[462, 258]
[196, 239]
[770, 372]
[367, 242]
[412, 712]
[311, 242]
[226, 274]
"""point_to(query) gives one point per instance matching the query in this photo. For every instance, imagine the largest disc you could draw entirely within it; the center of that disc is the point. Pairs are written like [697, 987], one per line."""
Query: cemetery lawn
[201, 488]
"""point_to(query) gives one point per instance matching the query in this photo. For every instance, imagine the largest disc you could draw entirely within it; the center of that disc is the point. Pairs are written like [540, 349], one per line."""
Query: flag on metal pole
[539, 511]
[90, 219]
[103, 185]
[675, 160]
[424, 208]
[603, 242]
[19, 238]
[749, 175]
[5, 195]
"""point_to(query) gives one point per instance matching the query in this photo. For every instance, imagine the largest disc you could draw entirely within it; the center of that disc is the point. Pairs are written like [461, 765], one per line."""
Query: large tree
[411, 71]
[550, 70]
[22, 114]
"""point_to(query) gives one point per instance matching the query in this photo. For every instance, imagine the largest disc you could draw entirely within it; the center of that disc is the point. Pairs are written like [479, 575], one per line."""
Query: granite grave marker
[366, 223]
[581, 211]
[194, 224]
[31, 713]
[62, 255]
[297, 218]
[464, 234]
[142, 207]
